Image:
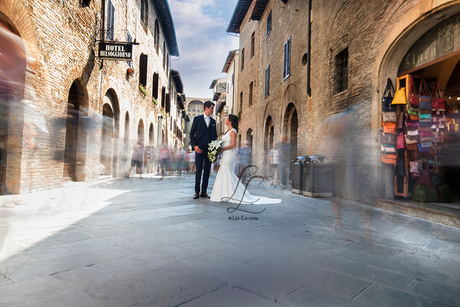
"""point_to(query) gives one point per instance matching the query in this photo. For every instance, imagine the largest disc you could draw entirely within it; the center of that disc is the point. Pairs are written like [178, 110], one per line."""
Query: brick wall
[60, 40]
[371, 31]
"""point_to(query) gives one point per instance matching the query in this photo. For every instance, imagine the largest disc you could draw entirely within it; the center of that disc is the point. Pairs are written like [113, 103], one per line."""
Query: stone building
[219, 89]
[68, 111]
[316, 70]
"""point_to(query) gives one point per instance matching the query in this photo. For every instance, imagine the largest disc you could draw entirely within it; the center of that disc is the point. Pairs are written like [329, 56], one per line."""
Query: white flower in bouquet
[214, 149]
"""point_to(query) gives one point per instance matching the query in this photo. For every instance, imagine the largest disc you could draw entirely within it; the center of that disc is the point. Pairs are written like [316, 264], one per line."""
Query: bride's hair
[233, 120]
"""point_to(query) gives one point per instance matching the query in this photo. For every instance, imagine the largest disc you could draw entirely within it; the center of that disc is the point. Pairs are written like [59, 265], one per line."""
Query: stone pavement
[148, 243]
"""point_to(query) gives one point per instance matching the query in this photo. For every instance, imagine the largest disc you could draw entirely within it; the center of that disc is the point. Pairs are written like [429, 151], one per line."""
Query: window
[267, 81]
[85, 3]
[129, 39]
[241, 101]
[143, 69]
[164, 55]
[110, 22]
[157, 35]
[167, 62]
[155, 85]
[251, 87]
[341, 64]
[163, 97]
[269, 23]
[287, 59]
[144, 13]
[242, 59]
[253, 38]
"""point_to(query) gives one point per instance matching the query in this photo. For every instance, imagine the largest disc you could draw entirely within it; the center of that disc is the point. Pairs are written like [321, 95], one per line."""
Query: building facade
[316, 72]
[77, 114]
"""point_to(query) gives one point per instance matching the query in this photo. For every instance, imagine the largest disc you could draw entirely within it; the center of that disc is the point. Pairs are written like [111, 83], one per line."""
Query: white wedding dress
[226, 181]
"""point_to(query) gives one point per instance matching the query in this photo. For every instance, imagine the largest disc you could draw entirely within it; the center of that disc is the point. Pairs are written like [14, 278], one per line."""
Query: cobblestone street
[148, 243]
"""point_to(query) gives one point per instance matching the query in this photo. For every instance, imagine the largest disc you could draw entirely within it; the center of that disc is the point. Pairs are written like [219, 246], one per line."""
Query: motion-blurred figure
[245, 160]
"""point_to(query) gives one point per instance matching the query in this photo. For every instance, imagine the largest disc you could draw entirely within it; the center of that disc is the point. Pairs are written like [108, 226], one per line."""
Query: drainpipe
[308, 47]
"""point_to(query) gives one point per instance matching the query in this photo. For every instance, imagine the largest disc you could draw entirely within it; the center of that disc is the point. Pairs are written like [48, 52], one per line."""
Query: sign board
[115, 51]
[440, 41]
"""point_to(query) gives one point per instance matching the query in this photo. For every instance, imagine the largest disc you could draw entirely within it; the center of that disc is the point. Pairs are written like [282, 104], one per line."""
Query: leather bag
[438, 103]
[400, 143]
[389, 127]
[433, 193]
[400, 97]
[413, 98]
[389, 117]
[424, 96]
[388, 97]
[389, 159]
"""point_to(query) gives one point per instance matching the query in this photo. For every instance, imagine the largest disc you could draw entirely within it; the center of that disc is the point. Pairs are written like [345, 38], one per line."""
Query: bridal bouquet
[214, 149]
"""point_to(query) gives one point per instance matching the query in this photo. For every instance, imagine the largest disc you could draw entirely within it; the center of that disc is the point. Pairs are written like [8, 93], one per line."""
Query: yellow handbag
[400, 96]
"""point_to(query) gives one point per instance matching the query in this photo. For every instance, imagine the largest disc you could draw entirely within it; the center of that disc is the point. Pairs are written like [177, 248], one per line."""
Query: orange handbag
[389, 159]
[389, 127]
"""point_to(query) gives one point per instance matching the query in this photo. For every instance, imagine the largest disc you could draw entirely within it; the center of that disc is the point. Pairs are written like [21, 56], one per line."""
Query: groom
[203, 131]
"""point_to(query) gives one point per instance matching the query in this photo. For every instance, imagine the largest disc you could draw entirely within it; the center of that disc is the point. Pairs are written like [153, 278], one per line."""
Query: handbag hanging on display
[424, 97]
[413, 98]
[389, 127]
[389, 117]
[388, 138]
[400, 97]
[389, 159]
[438, 103]
[388, 97]
[400, 143]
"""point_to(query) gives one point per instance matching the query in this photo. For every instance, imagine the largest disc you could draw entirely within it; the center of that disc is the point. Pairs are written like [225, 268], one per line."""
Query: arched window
[157, 35]
[144, 14]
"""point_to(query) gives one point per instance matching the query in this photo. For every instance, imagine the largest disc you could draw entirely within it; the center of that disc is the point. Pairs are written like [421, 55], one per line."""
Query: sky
[203, 42]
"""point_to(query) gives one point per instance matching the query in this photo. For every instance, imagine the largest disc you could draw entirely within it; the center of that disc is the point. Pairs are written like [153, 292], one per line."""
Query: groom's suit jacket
[202, 135]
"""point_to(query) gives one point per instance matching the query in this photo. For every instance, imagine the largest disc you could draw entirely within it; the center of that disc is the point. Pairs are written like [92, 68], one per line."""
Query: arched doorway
[140, 131]
[269, 137]
[126, 155]
[76, 132]
[107, 138]
[110, 132]
[151, 136]
[428, 48]
[291, 125]
[12, 80]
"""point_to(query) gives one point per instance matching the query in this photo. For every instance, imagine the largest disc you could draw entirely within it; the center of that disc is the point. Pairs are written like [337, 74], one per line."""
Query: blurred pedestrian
[136, 160]
[191, 161]
[273, 167]
[245, 160]
[283, 147]
[165, 156]
[180, 158]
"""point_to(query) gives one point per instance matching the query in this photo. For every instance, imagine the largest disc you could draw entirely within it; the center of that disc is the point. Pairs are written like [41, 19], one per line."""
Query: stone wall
[340, 125]
[60, 39]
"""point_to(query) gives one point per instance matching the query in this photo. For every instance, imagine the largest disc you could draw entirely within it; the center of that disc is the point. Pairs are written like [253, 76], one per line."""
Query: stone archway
[12, 82]
[126, 155]
[269, 137]
[107, 138]
[290, 129]
[76, 132]
[391, 55]
[140, 131]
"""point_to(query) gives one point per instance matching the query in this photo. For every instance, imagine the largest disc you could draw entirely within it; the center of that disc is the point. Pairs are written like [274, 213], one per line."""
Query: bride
[226, 184]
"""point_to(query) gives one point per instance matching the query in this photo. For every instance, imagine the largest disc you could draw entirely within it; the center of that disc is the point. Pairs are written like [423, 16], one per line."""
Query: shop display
[422, 136]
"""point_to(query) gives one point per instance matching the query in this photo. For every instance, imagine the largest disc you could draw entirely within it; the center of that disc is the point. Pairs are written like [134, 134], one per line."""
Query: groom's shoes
[196, 196]
[204, 195]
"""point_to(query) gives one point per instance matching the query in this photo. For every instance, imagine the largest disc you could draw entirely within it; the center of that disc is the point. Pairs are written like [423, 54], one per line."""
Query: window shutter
[143, 69]
[267, 81]
[110, 20]
[287, 59]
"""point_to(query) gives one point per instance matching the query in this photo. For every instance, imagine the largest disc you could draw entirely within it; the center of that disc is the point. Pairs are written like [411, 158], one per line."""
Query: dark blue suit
[202, 135]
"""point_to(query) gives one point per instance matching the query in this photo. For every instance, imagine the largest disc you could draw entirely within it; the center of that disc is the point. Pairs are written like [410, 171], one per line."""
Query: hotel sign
[440, 41]
[115, 51]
